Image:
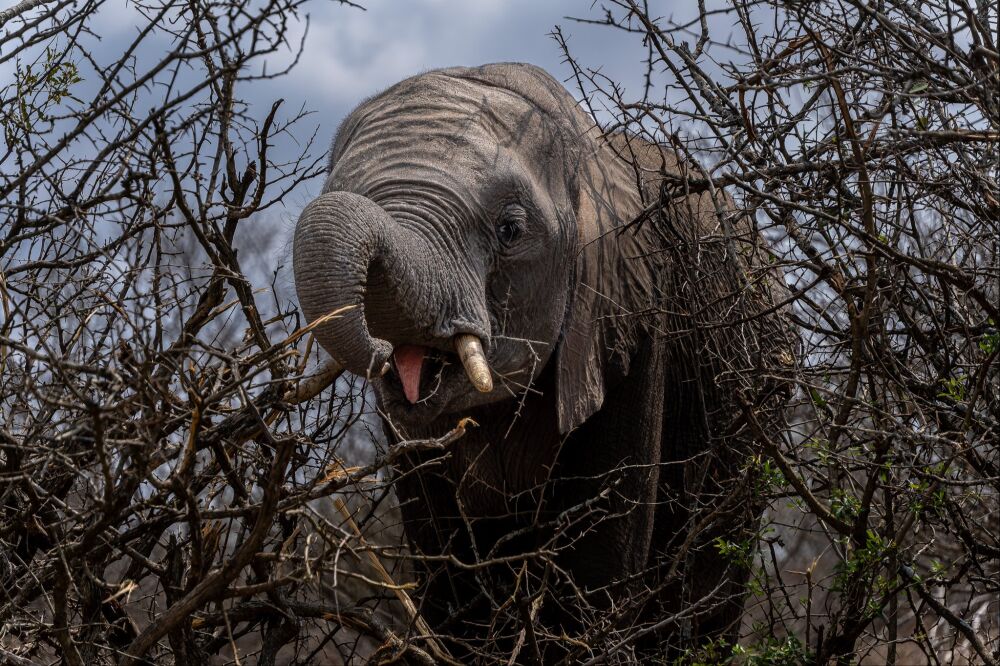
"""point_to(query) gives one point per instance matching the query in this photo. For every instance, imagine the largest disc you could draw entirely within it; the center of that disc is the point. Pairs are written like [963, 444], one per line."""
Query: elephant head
[467, 218]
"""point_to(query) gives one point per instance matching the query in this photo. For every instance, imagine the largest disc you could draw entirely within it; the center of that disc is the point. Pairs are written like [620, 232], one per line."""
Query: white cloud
[351, 54]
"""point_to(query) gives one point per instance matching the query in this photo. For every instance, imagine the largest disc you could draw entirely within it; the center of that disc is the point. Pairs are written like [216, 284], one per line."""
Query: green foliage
[865, 563]
[709, 654]
[38, 90]
[939, 570]
[788, 651]
[844, 505]
[774, 652]
[821, 447]
[817, 399]
[954, 389]
[767, 476]
[738, 552]
[990, 341]
[928, 499]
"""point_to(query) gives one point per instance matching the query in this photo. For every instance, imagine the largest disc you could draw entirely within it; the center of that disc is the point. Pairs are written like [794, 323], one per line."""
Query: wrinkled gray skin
[425, 178]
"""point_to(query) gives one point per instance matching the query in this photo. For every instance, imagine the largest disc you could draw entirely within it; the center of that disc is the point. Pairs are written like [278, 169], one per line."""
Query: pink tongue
[409, 361]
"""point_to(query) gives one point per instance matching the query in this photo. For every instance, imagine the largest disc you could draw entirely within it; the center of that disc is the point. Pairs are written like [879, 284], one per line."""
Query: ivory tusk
[470, 350]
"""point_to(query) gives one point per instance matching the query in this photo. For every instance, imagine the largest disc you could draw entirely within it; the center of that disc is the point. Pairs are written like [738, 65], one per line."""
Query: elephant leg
[605, 485]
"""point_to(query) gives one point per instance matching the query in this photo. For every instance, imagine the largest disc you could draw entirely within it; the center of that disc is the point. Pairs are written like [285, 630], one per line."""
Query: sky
[350, 54]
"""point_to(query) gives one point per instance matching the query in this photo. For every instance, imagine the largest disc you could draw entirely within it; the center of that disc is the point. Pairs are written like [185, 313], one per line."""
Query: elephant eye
[510, 225]
[507, 231]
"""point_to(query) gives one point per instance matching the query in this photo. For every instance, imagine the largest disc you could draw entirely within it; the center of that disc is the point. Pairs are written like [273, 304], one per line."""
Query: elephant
[615, 334]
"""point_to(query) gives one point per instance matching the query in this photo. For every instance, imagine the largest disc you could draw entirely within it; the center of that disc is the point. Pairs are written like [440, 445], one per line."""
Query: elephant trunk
[337, 237]
[349, 253]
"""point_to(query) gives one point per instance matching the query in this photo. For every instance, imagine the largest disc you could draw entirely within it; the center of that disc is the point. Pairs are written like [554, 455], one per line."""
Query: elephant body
[629, 330]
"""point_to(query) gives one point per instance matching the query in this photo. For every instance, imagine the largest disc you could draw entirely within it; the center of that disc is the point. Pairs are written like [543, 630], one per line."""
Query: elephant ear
[611, 287]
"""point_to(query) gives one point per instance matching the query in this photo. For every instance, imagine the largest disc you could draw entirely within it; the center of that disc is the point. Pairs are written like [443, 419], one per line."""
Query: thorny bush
[864, 138]
[175, 486]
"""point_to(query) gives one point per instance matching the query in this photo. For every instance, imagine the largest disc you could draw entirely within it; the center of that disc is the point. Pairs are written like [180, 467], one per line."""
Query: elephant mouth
[417, 371]
[423, 383]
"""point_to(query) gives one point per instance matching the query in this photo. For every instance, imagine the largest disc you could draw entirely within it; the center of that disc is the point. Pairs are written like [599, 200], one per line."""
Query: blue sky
[351, 54]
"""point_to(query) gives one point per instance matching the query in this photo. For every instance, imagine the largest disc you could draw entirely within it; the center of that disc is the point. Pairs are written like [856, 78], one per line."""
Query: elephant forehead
[471, 173]
[460, 156]
[438, 117]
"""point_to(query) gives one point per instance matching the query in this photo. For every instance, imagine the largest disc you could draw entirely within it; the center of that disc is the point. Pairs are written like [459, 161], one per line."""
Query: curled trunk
[398, 286]
[337, 238]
